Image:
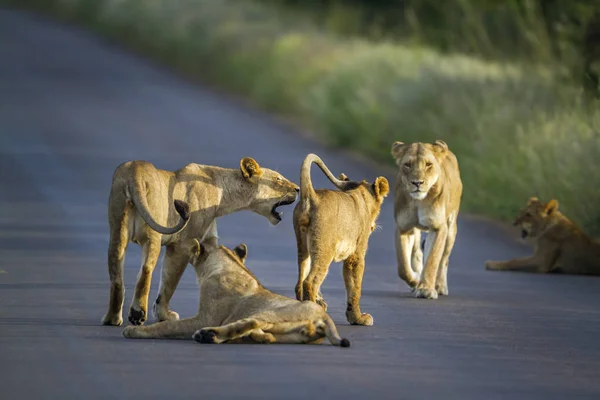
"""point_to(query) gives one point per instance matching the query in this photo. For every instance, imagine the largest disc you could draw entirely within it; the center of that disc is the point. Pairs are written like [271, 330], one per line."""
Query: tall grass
[517, 130]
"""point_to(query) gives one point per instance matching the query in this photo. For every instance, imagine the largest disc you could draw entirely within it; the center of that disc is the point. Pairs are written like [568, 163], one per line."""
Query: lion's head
[270, 190]
[419, 166]
[205, 252]
[534, 218]
[374, 194]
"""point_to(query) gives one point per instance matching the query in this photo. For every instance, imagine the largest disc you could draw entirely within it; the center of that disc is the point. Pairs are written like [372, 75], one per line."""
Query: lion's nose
[297, 189]
[417, 183]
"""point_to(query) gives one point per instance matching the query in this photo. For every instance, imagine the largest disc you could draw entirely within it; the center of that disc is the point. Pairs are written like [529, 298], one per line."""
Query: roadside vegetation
[517, 116]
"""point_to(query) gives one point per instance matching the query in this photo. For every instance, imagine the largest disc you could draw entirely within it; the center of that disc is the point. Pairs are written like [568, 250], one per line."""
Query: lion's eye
[528, 215]
[428, 164]
[279, 179]
[407, 165]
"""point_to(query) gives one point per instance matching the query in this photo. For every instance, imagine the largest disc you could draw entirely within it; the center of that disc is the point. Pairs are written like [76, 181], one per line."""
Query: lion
[139, 208]
[427, 198]
[335, 225]
[235, 308]
[560, 245]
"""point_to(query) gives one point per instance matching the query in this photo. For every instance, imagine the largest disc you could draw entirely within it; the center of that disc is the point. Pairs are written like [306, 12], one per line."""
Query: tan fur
[141, 203]
[428, 194]
[335, 225]
[235, 308]
[560, 245]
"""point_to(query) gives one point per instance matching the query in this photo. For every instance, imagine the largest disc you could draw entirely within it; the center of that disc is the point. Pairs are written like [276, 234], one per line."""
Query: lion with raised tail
[427, 197]
[154, 208]
[235, 308]
[333, 226]
[560, 245]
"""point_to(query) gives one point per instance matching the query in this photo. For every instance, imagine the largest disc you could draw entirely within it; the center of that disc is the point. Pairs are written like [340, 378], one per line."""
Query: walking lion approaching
[235, 308]
[428, 194]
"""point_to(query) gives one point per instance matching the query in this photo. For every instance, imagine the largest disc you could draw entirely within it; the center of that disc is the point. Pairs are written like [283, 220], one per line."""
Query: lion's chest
[423, 218]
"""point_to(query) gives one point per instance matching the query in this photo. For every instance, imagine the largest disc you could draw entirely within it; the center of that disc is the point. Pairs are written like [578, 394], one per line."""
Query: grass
[517, 130]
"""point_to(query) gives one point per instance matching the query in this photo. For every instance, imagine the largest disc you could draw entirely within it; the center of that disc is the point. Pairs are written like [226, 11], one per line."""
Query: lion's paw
[112, 320]
[364, 320]
[322, 303]
[426, 293]
[129, 331]
[492, 265]
[137, 317]
[205, 336]
[442, 290]
[162, 315]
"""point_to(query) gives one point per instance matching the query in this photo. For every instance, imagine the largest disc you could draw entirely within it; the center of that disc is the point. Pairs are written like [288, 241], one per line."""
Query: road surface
[72, 108]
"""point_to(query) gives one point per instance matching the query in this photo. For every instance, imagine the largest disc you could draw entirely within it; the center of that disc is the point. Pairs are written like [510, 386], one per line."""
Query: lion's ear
[250, 169]
[397, 150]
[532, 200]
[381, 187]
[241, 251]
[440, 146]
[551, 207]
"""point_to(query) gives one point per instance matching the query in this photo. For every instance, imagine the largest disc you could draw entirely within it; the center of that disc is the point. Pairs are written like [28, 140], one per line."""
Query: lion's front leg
[441, 284]
[404, 247]
[182, 329]
[541, 261]
[138, 311]
[434, 249]
[416, 260]
[174, 264]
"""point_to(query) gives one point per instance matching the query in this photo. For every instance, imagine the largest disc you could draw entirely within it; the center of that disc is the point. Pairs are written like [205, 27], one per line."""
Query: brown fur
[139, 207]
[560, 245]
[428, 194]
[335, 225]
[235, 308]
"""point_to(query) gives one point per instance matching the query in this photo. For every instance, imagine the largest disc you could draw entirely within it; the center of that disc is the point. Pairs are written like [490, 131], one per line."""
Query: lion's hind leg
[119, 218]
[304, 259]
[295, 332]
[228, 332]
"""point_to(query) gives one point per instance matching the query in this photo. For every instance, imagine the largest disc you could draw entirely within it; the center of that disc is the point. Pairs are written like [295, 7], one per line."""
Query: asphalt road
[72, 108]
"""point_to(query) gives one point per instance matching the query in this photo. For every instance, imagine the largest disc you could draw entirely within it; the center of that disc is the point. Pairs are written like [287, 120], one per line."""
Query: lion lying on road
[335, 225]
[428, 194]
[140, 205]
[560, 245]
[235, 308]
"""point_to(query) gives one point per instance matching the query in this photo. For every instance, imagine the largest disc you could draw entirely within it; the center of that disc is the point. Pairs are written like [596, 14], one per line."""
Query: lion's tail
[306, 188]
[137, 194]
[332, 334]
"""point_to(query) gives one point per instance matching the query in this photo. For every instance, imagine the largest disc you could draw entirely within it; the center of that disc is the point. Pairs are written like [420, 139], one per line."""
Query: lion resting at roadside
[139, 207]
[335, 225]
[235, 308]
[428, 194]
[560, 245]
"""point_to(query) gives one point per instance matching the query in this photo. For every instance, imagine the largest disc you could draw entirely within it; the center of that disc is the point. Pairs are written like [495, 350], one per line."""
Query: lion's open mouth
[524, 234]
[278, 215]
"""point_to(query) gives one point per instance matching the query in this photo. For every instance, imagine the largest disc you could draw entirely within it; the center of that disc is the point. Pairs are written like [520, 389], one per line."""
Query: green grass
[517, 130]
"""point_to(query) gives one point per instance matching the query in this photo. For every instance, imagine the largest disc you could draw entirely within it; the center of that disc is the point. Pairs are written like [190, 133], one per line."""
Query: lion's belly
[344, 249]
[196, 228]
